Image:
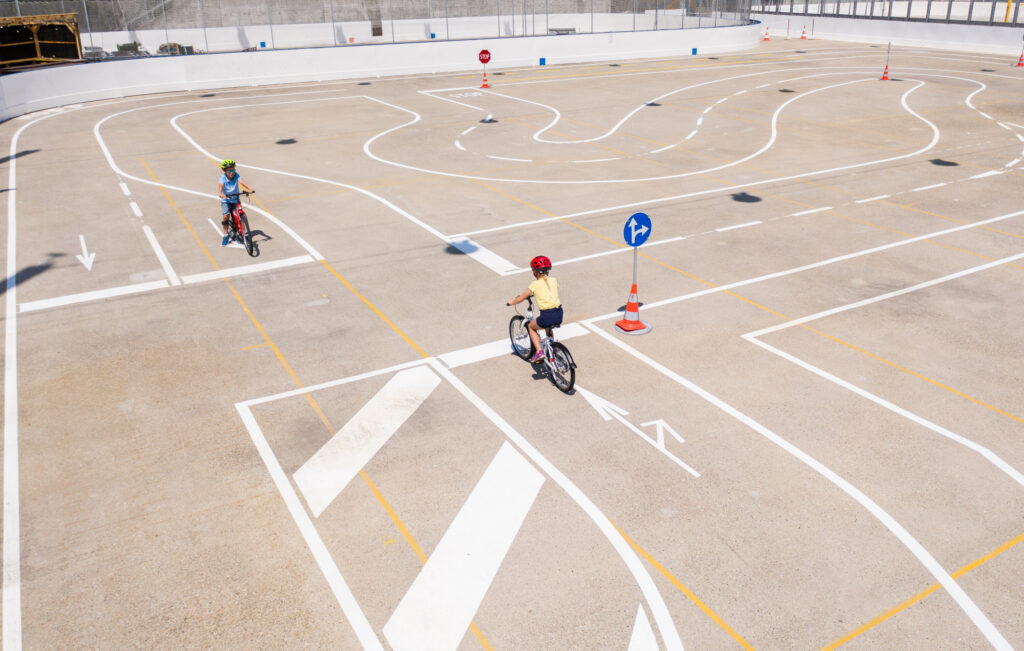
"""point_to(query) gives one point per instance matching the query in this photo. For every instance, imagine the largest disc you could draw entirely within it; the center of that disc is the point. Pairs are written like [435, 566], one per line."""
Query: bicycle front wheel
[247, 236]
[520, 336]
[563, 369]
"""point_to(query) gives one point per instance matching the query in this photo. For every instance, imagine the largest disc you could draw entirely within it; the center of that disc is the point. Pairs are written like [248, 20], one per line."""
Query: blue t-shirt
[230, 187]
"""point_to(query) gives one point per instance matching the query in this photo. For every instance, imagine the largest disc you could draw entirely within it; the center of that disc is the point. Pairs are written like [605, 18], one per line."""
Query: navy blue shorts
[549, 318]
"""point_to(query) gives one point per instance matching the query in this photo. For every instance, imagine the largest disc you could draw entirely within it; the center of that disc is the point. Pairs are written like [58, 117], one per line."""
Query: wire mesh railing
[983, 12]
[139, 27]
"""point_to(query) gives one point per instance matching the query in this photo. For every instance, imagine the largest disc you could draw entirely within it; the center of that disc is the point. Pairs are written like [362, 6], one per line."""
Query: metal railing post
[17, 5]
[334, 30]
[202, 19]
[88, 28]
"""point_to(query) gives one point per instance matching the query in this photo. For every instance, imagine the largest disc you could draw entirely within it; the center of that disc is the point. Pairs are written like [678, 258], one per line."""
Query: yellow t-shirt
[546, 293]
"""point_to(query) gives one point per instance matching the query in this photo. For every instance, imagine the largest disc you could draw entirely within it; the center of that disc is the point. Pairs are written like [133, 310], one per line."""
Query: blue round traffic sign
[637, 229]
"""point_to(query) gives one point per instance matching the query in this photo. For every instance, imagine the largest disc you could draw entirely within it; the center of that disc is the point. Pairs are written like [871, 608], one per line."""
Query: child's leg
[535, 335]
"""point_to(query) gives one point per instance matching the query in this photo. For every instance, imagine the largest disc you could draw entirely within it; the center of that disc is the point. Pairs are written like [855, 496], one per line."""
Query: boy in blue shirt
[228, 191]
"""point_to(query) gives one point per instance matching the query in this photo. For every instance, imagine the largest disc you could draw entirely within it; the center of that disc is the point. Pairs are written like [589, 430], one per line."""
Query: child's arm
[248, 188]
[521, 297]
[220, 190]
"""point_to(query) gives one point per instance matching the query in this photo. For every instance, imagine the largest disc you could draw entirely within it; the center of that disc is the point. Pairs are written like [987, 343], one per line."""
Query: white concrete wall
[50, 87]
[973, 38]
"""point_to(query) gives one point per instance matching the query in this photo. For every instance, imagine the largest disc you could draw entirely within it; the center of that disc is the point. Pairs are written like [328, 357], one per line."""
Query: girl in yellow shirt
[545, 289]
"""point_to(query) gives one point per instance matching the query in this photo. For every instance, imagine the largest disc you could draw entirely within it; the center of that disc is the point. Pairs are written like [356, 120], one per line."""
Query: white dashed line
[595, 160]
[459, 145]
[127, 192]
[928, 187]
[164, 262]
[881, 196]
[729, 228]
[1012, 163]
[467, 131]
[700, 121]
[721, 100]
[984, 174]
[692, 134]
[809, 212]
[762, 86]
[658, 151]
[985, 115]
[739, 92]
[708, 109]
[135, 208]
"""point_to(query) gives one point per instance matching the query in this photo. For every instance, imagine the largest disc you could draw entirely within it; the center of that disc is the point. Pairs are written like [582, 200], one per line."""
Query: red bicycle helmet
[541, 263]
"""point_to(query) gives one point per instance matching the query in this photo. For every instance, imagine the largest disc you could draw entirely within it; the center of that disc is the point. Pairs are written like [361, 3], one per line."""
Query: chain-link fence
[986, 12]
[176, 26]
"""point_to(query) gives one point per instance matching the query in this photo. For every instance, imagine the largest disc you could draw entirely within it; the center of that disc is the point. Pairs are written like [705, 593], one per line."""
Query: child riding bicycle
[228, 191]
[545, 289]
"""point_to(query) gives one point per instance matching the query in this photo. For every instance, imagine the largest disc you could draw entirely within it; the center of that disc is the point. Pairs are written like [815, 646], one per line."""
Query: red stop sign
[485, 56]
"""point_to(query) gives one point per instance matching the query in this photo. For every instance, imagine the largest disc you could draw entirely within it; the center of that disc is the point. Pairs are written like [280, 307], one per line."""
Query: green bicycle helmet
[226, 163]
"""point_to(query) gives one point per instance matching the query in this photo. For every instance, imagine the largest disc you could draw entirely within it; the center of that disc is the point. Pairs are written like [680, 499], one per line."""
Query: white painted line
[928, 187]
[99, 294]
[326, 473]
[135, 208]
[164, 262]
[658, 151]
[881, 196]
[601, 254]
[1005, 126]
[814, 265]
[245, 269]
[517, 160]
[218, 229]
[124, 188]
[502, 347]
[1019, 137]
[484, 256]
[596, 160]
[729, 228]
[761, 86]
[984, 174]
[349, 606]
[721, 100]
[924, 557]
[700, 121]
[439, 606]
[740, 92]
[984, 115]
[642, 638]
[1012, 163]
[692, 134]
[811, 212]
[459, 146]
[708, 109]
[662, 617]
[467, 130]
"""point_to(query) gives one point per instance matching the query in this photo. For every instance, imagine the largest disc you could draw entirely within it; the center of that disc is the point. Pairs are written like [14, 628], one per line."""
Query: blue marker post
[635, 232]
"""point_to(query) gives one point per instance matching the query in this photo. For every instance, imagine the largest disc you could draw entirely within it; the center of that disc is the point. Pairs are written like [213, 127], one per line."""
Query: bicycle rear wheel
[563, 369]
[520, 336]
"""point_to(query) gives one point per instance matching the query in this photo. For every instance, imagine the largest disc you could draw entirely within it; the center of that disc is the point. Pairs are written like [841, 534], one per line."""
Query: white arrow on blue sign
[637, 229]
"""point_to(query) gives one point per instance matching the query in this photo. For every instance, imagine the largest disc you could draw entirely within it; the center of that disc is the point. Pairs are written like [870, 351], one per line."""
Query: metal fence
[226, 25]
[985, 12]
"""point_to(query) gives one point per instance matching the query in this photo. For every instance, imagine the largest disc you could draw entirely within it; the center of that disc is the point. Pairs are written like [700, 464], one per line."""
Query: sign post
[635, 232]
[484, 56]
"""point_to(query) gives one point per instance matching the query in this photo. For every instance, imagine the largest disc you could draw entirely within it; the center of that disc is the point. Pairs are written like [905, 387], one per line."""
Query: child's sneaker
[538, 356]
[224, 241]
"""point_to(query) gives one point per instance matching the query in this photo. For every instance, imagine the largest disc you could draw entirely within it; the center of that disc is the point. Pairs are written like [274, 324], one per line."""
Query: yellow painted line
[924, 593]
[185, 221]
[255, 346]
[915, 374]
[686, 591]
[375, 310]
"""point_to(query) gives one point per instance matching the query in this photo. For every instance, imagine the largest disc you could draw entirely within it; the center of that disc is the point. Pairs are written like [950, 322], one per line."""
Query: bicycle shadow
[540, 372]
[257, 233]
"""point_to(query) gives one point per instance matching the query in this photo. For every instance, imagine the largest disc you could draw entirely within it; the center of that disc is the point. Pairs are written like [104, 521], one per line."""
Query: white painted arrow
[608, 411]
[634, 231]
[86, 258]
[663, 427]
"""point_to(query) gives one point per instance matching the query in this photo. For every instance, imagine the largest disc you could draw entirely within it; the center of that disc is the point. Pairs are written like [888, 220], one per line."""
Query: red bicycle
[238, 226]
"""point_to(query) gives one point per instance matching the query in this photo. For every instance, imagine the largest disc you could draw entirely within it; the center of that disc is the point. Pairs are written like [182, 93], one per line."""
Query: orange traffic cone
[803, 34]
[485, 80]
[766, 36]
[630, 324]
[885, 75]
[1020, 62]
